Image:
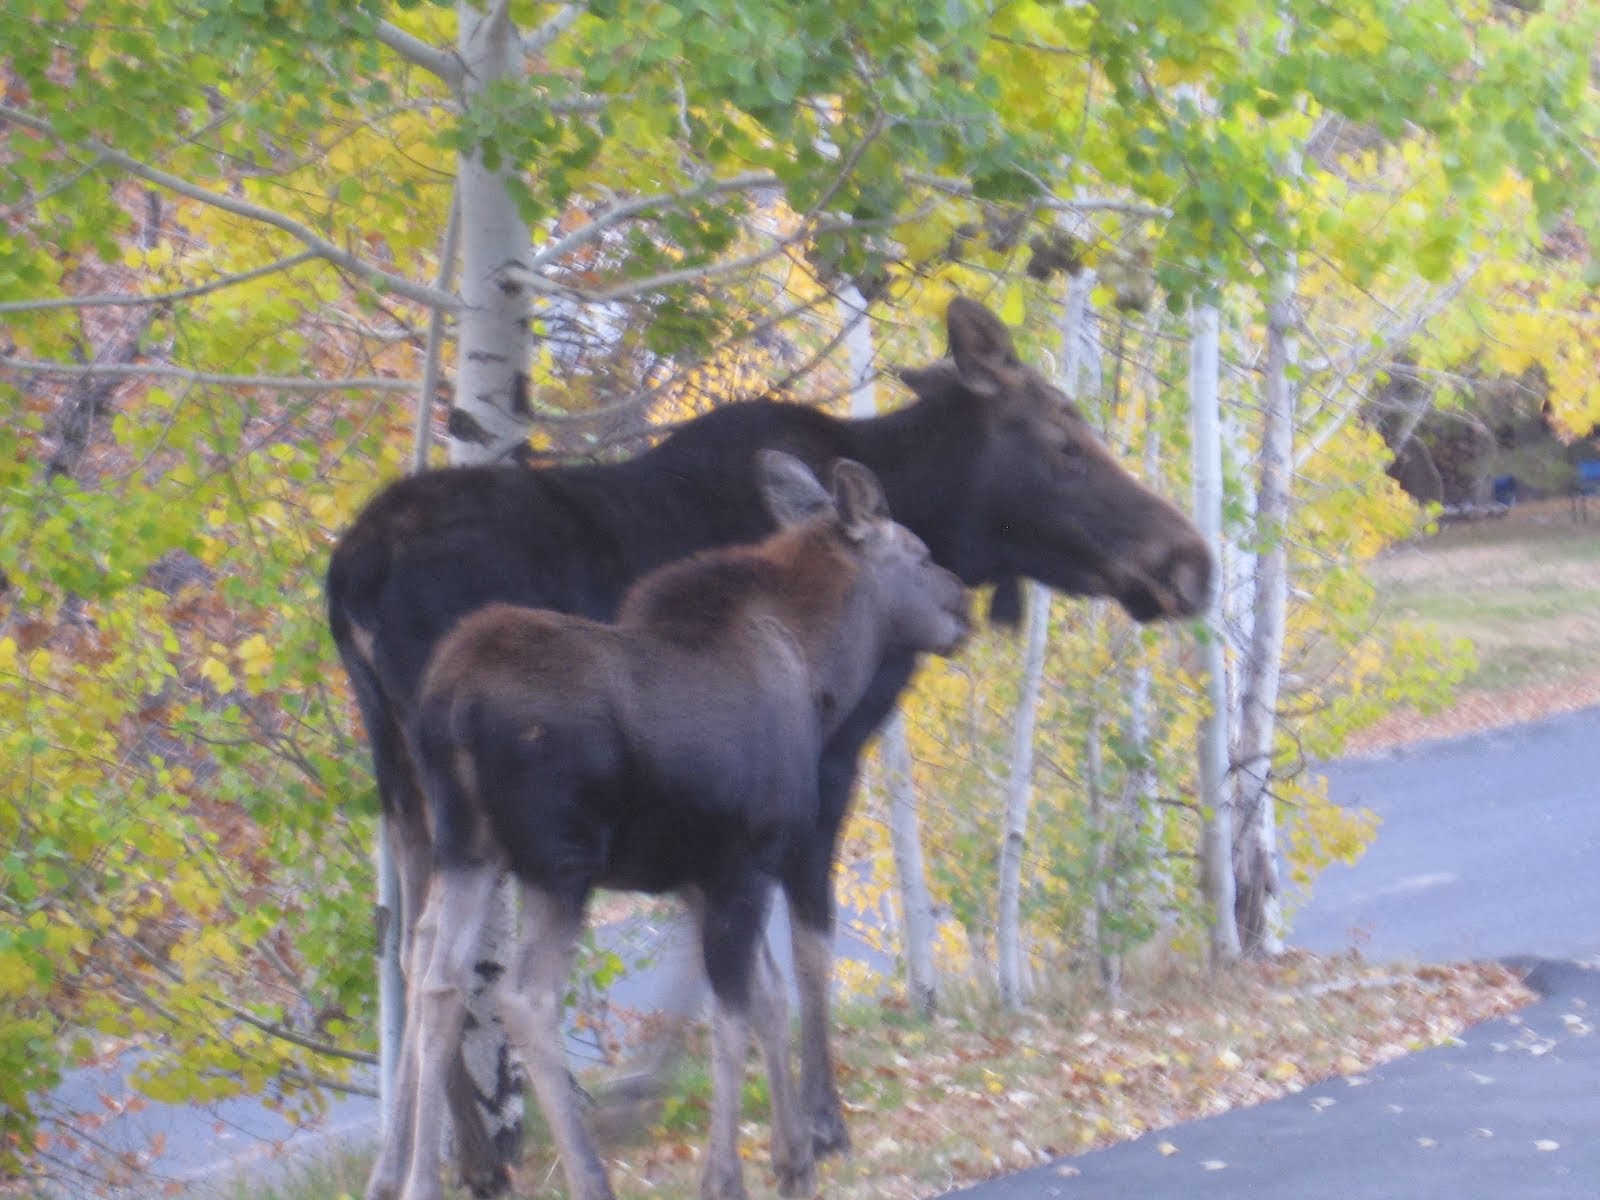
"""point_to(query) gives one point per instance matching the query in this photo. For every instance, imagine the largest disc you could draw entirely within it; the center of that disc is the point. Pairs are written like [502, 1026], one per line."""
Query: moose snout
[1189, 580]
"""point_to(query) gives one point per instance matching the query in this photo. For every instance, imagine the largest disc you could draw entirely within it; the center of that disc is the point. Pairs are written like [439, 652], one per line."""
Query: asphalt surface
[1511, 1113]
[1488, 849]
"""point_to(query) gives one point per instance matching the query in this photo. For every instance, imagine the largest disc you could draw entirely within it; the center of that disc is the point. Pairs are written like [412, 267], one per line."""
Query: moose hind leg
[446, 944]
[732, 917]
[531, 1009]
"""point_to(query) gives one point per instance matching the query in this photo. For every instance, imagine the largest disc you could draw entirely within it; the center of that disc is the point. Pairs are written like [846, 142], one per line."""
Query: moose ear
[859, 498]
[981, 345]
[791, 492]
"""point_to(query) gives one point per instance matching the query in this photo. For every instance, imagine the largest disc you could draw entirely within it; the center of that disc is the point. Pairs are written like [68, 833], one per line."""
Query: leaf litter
[975, 1093]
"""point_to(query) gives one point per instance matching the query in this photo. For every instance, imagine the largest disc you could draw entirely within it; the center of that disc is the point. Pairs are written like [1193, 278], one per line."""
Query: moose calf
[675, 750]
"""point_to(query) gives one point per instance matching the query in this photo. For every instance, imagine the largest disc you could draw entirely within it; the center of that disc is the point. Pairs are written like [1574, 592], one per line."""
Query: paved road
[1509, 1114]
[1488, 849]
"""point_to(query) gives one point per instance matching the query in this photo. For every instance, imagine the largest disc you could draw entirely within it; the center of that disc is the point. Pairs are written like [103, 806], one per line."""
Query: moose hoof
[798, 1181]
[723, 1183]
[486, 1182]
[828, 1134]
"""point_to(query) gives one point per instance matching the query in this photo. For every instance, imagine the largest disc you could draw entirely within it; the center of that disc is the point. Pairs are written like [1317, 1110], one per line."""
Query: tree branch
[287, 383]
[414, 50]
[534, 44]
[626, 209]
[636, 287]
[422, 436]
[130, 301]
[383, 280]
[960, 187]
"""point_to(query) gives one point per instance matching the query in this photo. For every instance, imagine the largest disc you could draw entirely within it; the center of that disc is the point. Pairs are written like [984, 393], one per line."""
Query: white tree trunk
[494, 343]
[1216, 850]
[1255, 846]
[489, 418]
[1019, 794]
[905, 836]
[905, 828]
[1078, 347]
[391, 976]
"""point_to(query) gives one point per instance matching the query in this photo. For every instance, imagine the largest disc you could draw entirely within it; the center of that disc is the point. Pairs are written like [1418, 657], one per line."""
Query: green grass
[1525, 591]
[329, 1176]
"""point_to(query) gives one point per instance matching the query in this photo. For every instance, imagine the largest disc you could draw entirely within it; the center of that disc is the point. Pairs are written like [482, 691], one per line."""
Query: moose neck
[828, 606]
[926, 456]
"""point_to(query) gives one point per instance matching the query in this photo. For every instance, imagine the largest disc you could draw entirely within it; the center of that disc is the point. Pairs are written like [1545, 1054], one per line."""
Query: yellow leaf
[1015, 306]
[255, 656]
[216, 672]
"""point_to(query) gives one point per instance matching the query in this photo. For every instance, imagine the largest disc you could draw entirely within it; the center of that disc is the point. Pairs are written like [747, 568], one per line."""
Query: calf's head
[1046, 500]
[921, 605]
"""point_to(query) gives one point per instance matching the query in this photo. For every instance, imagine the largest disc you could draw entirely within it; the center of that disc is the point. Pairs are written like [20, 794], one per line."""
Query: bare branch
[960, 187]
[1396, 335]
[627, 209]
[414, 50]
[423, 434]
[399, 284]
[534, 44]
[286, 383]
[55, 189]
[130, 301]
[635, 287]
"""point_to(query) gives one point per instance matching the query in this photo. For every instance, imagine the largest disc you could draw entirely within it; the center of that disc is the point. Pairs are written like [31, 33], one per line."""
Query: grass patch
[1525, 591]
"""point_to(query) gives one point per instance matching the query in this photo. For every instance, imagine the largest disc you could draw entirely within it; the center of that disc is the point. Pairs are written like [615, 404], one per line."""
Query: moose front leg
[793, 1159]
[819, 1095]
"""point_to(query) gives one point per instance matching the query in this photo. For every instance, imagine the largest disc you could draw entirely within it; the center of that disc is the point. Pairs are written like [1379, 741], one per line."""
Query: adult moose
[674, 750]
[990, 466]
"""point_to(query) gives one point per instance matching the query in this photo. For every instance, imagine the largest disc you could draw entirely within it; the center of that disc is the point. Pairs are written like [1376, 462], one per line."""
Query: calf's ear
[789, 489]
[859, 498]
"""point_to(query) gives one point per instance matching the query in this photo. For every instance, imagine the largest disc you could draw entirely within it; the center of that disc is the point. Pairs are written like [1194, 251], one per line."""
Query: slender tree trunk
[1075, 337]
[1019, 794]
[905, 828]
[1216, 850]
[1159, 891]
[1255, 847]
[391, 977]
[489, 418]
[1106, 823]
[916, 904]
[491, 401]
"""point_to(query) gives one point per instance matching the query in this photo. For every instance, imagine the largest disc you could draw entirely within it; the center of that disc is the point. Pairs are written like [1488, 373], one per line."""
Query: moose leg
[809, 891]
[732, 917]
[446, 941]
[792, 1157]
[531, 1009]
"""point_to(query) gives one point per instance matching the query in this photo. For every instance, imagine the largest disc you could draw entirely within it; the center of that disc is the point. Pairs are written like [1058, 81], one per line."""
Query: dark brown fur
[990, 466]
[676, 749]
